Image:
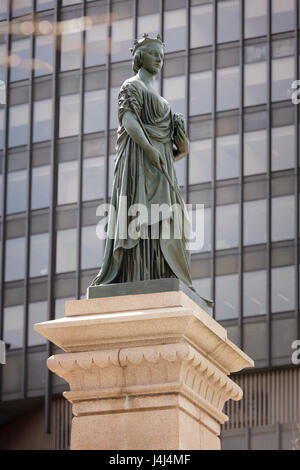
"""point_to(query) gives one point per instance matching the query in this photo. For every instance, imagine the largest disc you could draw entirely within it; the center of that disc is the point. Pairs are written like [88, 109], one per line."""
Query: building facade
[229, 68]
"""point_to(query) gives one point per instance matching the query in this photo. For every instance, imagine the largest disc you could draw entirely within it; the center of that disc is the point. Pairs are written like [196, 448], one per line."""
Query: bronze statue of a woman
[150, 139]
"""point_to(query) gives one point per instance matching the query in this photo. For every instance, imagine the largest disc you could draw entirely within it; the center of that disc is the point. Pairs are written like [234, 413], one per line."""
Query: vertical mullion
[28, 206]
[4, 183]
[107, 84]
[52, 213]
[214, 133]
[269, 174]
[187, 89]
[297, 149]
[241, 188]
[135, 18]
[81, 130]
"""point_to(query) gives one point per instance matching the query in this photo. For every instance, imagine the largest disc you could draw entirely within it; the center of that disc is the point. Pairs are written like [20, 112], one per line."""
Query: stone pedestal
[146, 371]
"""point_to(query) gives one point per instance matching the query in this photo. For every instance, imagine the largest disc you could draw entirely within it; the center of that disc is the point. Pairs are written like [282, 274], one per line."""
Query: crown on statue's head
[145, 40]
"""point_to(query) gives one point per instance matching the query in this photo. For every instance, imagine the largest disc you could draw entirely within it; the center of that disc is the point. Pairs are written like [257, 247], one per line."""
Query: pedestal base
[148, 371]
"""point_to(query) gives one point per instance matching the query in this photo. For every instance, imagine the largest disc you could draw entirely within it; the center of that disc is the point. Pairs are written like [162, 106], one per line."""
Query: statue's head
[148, 53]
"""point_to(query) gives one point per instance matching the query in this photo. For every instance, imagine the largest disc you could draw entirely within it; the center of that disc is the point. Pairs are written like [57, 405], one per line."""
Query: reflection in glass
[37, 313]
[111, 169]
[21, 7]
[283, 289]
[66, 250]
[255, 18]
[70, 56]
[255, 222]
[16, 191]
[255, 91]
[93, 178]
[200, 92]
[40, 187]
[283, 148]
[69, 115]
[2, 70]
[91, 248]
[174, 29]
[94, 115]
[203, 287]
[282, 15]
[200, 161]
[1, 127]
[44, 53]
[174, 93]
[227, 88]
[13, 326]
[21, 62]
[67, 182]
[18, 125]
[228, 20]
[60, 307]
[227, 156]
[42, 120]
[227, 226]
[122, 38]
[201, 25]
[226, 296]
[283, 71]
[254, 293]
[148, 24]
[44, 5]
[95, 45]
[3, 9]
[255, 152]
[283, 219]
[114, 121]
[14, 258]
[180, 169]
[39, 254]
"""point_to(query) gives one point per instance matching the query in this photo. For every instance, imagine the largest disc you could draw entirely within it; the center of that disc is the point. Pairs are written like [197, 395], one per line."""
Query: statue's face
[153, 56]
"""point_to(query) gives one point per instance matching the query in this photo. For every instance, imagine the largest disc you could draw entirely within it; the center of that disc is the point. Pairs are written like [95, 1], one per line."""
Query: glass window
[255, 18]
[282, 15]
[200, 161]
[254, 293]
[255, 91]
[180, 169]
[95, 45]
[70, 57]
[40, 187]
[42, 120]
[44, 53]
[66, 250]
[37, 313]
[1, 127]
[255, 152]
[69, 115]
[122, 39]
[283, 289]
[228, 20]
[21, 7]
[283, 218]
[111, 169]
[91, 248]
[283, 148]
[200, 92]
[114, 121]
[93, 178]
[94, 114]
[70, 2]
[3, 9]
[20, 60]
[2, 71]
[44, 5]
[13, 326]
[227, 226]
[175, 29]
[18, 125]
[174, 93]
[255, 222]
[148, 24]
[207, 230]
[201, 25]
[60, 307]
[14, 258]
[283, 71]
[227, 156]
[67, 182]
[227, 88]
[16, 191]
[226, 296]
[203, 287]
[39, 254]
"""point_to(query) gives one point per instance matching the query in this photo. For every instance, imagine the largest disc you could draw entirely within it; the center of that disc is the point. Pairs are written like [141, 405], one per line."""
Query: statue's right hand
[155, 157]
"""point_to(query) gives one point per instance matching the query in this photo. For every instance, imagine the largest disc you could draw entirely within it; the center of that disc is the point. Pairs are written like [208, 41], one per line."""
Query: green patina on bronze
[150, 138]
